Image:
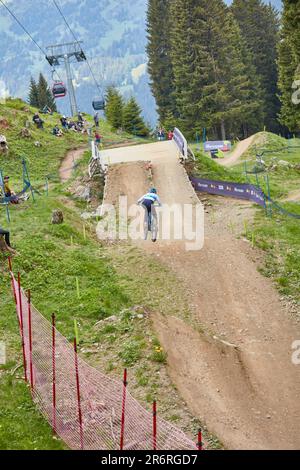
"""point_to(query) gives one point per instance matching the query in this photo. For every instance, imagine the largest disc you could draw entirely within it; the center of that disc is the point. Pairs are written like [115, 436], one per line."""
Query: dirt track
[67, 166]
[232, 364]
[234, 157]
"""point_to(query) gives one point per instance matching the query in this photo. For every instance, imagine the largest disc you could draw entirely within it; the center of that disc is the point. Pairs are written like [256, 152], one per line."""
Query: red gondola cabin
[59, 90]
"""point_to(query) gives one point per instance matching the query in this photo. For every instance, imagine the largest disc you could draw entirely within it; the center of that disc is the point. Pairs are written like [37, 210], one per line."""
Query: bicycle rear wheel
[147, 224]
[154, 227]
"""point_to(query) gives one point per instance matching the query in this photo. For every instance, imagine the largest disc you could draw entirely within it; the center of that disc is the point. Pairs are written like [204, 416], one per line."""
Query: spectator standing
[98, 138]
[96, 119]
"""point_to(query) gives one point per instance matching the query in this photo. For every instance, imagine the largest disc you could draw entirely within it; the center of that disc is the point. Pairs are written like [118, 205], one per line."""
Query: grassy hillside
[282, 158]
[50, 259]
[43, 160]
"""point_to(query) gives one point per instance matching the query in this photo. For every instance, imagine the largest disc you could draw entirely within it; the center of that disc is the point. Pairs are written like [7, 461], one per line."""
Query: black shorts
[148, 205]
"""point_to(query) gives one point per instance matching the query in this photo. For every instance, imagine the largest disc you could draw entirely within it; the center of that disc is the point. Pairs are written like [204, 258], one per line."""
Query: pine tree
[114, 108]
[169, 123]
[254, 113]
[160, 68]
[33, 93]
[132, 120]
[212, 75]
[45, 97]
[289, 66]
[185, 63]
[259, 25]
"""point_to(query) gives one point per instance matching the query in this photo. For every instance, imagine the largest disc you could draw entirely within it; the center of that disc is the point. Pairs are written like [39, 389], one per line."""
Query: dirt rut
[68, 163]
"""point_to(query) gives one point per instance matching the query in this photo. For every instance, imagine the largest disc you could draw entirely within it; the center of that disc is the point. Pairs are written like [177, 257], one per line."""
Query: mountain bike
[150, 223]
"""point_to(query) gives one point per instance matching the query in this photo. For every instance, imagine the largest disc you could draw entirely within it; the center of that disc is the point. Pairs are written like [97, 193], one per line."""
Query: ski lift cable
[23, 27]
[65, 20]
[25, 30]
[76, 40]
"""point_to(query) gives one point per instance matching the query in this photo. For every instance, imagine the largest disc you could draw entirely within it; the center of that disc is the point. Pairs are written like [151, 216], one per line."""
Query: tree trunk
[223, 130]
[245, 131]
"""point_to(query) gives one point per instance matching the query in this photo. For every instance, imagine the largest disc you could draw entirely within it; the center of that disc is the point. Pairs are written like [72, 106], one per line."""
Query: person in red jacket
[170, 135]
[98, 138]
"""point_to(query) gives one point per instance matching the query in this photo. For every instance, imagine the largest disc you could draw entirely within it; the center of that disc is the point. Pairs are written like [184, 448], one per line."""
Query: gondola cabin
[99, 104]
[59, 90]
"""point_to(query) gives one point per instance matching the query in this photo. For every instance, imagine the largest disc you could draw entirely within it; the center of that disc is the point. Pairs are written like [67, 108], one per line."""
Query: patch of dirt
[227, 215]
[122, 178]
[4, 124]
[294, 196]
[67, 166]
[238, 377]
[88, 190]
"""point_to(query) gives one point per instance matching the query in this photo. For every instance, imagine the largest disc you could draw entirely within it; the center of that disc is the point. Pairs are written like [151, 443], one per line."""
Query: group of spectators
[67, 124]
[161, 134]
[72, 125]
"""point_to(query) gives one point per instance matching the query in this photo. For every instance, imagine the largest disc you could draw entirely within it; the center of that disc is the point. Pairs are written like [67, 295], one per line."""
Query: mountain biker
[148, 201]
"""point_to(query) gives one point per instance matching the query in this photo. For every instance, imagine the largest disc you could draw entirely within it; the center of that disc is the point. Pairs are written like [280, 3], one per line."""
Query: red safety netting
[86, 408]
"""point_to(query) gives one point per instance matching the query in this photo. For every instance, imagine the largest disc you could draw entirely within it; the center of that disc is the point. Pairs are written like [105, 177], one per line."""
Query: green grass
[21, 427]
[205, 167]
[45, 160]
[49, 265]
[51, 258]
[41, 161]
[109, 280]
[283, 179]
[278, 236]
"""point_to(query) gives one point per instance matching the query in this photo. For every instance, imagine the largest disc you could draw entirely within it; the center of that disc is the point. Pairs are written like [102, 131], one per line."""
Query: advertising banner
[224, 145]
[180, 142]
[237, 190]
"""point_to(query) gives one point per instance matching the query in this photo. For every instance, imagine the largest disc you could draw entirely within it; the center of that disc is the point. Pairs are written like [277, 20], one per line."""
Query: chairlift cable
[65, 20]
[25, 30]
[23, 27]
[76, 40]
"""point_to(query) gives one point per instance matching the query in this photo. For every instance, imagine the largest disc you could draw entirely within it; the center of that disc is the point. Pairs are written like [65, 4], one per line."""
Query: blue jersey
[152, 197]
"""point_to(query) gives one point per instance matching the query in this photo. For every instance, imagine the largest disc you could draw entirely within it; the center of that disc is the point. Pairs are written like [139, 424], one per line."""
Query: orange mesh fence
[86, 408]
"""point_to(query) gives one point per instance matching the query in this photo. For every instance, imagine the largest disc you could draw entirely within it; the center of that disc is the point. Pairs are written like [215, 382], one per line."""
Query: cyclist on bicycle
[148, 201]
